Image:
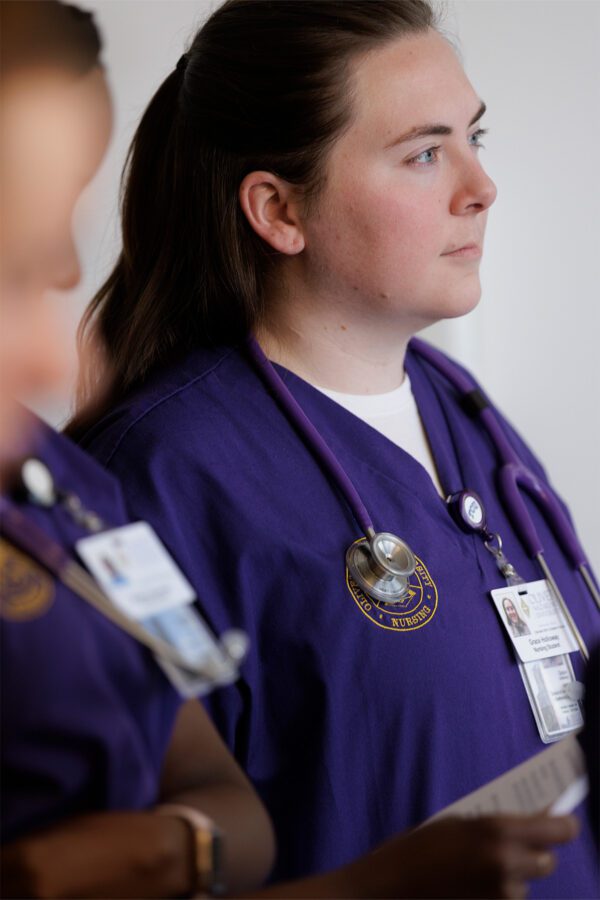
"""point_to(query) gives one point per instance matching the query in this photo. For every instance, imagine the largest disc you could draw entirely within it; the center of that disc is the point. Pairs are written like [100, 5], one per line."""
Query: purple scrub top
[354, 721]
[86, 712]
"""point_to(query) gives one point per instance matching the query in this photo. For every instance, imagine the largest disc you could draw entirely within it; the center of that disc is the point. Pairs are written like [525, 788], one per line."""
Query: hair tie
[182, 63]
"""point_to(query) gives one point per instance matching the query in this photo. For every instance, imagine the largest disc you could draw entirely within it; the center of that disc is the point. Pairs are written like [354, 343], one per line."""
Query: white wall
[534, 339]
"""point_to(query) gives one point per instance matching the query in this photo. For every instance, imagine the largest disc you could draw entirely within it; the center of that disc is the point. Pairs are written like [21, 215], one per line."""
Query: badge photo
[534, 621]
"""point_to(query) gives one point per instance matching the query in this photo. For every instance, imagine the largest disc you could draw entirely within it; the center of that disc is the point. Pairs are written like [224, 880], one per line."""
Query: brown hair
[264, 85]
[47, 33]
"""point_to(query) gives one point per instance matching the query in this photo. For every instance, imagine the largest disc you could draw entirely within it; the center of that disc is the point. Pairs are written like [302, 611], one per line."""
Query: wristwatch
[208, 848]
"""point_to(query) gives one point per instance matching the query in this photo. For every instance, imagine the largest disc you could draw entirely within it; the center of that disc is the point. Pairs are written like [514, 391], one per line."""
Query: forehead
[53, 132]
[410, 82]
[53, 129]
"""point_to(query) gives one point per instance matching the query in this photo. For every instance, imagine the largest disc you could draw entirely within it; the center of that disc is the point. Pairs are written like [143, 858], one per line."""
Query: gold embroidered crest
[415, 611]
[26, 590]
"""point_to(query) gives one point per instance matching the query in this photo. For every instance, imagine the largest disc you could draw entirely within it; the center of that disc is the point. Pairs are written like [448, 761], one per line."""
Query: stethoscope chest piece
[382, 566]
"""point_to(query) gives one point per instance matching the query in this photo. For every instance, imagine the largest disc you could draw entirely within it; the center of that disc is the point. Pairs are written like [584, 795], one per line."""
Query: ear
[271, 206]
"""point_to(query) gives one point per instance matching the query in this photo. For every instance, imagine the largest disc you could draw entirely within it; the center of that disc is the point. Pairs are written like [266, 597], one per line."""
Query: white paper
[556, 774]
[572, 797]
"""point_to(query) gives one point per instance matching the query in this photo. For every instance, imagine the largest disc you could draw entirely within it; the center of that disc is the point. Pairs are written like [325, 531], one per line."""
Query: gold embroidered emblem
[26, 590]
[416, 610]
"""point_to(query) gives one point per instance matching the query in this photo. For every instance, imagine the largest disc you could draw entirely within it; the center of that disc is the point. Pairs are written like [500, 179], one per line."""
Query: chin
[444, 300]
[452, 305]
[460, 301]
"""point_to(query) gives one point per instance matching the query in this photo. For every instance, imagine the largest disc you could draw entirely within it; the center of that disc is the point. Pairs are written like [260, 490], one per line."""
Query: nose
[475, 191]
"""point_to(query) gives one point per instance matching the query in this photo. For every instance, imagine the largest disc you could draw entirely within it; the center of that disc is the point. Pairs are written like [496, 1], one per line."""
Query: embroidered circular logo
[416, 610]
[26, 591]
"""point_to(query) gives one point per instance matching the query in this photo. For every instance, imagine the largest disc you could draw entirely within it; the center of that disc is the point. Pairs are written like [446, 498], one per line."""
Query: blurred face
[399, 228]
[511, 612]
[54, 129]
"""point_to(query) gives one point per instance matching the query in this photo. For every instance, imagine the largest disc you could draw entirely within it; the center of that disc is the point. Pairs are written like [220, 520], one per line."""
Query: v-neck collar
[462, 468]
[356, 441]
[352, 438]
[437, 425]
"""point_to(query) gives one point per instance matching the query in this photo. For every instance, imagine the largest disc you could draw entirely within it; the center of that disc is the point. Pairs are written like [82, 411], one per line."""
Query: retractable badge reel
[468, 511]
[552, 689]
[38, 481]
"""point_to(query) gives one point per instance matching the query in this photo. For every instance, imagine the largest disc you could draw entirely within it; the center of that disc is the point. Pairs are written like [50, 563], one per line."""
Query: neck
[325, 345]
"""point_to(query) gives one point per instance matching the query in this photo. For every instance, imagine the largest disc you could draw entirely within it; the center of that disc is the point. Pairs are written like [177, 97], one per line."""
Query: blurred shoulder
[74, 470]
[173, 409]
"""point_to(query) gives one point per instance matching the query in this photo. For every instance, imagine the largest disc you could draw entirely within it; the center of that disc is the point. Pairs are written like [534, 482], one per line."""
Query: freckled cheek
[378, 226]
[387, 214]
[400, 235]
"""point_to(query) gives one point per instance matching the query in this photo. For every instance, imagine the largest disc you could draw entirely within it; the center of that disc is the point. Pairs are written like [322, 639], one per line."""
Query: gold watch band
[208, 848]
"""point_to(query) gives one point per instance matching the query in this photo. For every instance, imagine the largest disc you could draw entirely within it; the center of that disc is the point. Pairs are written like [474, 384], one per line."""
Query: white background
[533, 341]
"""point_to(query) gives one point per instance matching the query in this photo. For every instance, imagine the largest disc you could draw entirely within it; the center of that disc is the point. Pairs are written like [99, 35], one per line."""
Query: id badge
[135, 570]
[534, 621]
[554, 695]
[138, 575]
[542, 640]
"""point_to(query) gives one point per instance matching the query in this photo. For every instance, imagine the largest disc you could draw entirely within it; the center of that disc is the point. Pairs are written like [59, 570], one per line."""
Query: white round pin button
[468, 511]
[38, 481]
[473, 510]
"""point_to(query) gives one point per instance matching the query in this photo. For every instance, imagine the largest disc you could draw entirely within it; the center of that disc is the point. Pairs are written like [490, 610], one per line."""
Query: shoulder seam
[164, 399]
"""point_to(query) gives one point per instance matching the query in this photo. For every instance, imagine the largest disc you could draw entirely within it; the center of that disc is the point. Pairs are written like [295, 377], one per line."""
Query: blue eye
[426, 158]
[431, 155]
[475, 138]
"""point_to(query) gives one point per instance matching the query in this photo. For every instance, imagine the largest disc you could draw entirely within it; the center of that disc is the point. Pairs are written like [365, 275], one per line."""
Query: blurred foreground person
[93, 735]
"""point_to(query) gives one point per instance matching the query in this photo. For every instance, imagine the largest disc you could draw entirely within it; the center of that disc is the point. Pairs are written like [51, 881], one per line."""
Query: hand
[111, 854]
[491, 856]
[142, 854]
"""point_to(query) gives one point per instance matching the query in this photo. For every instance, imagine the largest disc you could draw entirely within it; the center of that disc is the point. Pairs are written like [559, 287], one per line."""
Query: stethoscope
[381, 563]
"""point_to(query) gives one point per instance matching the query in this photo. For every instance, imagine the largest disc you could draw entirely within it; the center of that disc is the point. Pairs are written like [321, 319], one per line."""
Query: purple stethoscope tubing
[302, 423]
[513, 475]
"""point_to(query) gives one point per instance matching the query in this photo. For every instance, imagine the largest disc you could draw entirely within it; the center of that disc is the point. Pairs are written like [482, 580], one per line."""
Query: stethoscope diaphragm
[381, 566]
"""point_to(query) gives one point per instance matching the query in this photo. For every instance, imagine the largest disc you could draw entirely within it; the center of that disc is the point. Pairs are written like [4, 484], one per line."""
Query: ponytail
[263, 86]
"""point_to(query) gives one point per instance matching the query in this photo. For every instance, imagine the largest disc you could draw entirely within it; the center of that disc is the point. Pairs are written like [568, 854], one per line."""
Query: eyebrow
[436, 129]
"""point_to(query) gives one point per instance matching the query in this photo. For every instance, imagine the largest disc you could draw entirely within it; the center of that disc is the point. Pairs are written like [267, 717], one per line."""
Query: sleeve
[160, 469]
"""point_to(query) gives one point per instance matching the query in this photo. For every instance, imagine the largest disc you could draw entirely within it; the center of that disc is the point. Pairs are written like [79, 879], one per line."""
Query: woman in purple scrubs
[310, 174]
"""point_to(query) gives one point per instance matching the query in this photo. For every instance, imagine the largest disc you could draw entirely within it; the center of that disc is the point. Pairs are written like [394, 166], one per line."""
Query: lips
[467, 250]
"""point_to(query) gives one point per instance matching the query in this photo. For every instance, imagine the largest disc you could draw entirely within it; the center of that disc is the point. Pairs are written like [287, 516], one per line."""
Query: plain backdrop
[533, 341]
